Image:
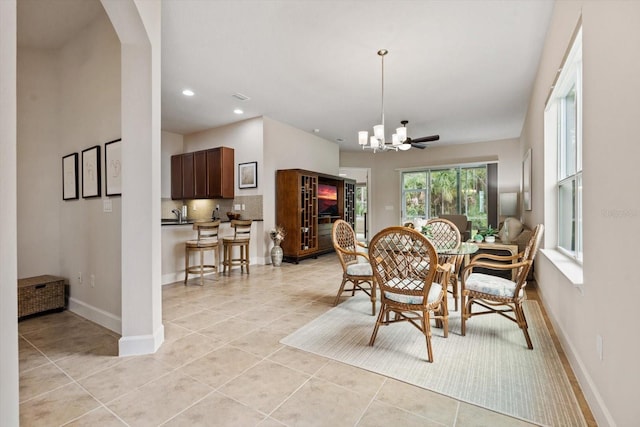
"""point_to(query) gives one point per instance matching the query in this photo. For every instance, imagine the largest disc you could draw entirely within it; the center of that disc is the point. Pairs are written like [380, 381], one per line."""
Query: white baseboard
[141, 344]
[96, 315]
[589, 389]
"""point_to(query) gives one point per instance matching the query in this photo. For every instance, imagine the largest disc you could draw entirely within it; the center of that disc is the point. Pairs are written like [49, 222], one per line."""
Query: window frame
[569, 80]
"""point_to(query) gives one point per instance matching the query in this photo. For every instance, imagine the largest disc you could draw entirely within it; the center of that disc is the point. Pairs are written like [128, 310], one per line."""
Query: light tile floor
[221, 365]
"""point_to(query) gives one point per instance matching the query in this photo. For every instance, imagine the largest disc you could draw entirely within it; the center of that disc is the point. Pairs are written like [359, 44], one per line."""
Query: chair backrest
[529, 254]
[207, 230]
[443, 233]
[403, 261]
[241, 228]
[344, 242]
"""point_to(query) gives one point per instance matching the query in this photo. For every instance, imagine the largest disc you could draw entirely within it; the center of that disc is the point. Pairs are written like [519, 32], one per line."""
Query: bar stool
[240, 239]
[207, 240]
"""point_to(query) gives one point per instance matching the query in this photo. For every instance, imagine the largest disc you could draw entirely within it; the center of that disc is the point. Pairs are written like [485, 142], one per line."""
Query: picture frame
[70, 177]
[91, 177]
[248, 175]
[113, 168]
[526, 181]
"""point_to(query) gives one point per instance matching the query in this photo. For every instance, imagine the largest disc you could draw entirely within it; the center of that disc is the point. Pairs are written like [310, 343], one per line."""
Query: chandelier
[377, 141]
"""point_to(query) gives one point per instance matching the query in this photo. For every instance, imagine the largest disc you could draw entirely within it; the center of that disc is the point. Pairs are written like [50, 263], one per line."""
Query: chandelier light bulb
[363, 137]
[402, 133]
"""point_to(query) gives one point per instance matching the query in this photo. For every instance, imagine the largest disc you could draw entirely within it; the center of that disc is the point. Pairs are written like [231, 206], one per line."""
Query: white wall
[384, 182]
[9, 389]
[39, 143]
[607, 305]
[69, 101]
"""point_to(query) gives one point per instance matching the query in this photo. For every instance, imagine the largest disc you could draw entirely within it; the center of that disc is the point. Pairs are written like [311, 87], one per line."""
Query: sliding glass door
[454, 190]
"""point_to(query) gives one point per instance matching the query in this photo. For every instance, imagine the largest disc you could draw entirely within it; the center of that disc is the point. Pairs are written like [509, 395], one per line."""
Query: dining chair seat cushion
[491, 285]
[359, 269]
[202, 243]
[434, 293]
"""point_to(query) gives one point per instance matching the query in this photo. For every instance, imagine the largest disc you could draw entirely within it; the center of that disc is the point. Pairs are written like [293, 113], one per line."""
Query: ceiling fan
[419, 142]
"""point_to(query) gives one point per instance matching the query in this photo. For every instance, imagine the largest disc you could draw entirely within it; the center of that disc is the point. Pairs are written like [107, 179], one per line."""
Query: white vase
[490, 239]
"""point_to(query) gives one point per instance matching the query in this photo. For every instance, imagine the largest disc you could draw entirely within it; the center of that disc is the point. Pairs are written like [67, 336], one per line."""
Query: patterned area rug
[490, 367]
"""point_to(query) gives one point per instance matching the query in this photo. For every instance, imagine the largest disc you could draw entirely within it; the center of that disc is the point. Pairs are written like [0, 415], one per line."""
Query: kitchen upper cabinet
[200, 173]
[220, 173]
[176, 176]
[205, 174]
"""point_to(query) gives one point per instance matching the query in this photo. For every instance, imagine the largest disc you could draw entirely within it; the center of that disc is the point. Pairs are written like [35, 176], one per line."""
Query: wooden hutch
[307, 205]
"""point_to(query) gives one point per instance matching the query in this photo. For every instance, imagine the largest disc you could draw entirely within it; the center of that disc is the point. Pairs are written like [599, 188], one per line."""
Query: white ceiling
[462, 69]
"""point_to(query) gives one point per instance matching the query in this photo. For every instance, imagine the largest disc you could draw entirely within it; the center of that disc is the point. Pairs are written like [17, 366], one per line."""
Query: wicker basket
[39, 294]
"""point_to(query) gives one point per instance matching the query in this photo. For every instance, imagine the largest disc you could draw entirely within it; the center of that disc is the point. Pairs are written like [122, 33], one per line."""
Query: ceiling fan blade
[418, 145]
[426, 139]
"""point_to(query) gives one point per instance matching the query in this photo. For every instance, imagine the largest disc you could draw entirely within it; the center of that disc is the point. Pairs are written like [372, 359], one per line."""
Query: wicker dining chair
[496, 294]
[354, 261]
[445, 235]
[405, 265]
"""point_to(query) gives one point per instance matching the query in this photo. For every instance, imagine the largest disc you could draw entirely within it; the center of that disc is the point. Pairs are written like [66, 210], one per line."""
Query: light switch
[107, 206]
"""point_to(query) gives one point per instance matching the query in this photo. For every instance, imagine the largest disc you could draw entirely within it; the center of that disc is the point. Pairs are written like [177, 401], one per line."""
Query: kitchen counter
[190, 221]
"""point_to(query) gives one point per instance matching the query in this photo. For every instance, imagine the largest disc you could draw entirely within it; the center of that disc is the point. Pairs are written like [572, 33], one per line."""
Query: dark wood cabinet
[176, 177]
[188, 180]
[200, 175]
[307, 205]
[205, 174]
[220, 173]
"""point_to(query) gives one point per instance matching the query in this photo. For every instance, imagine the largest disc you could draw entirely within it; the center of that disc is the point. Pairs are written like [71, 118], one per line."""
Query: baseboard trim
[597, 405]
[96, 315]
[141, 344]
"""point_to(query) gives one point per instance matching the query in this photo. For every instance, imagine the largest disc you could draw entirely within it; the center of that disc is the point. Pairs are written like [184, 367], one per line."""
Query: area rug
[490, 367]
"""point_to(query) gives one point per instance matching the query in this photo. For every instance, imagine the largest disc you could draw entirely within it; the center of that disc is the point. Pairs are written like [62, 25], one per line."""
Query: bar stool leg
[186, 265]
[201, 267]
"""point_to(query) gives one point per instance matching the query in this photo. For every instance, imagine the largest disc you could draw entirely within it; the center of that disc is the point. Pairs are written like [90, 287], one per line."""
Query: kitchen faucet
[178, 213]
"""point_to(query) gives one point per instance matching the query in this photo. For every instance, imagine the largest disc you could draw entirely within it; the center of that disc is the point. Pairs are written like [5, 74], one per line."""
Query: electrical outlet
[236, 207]
[93, 280]
[80, 277]
[599, 346]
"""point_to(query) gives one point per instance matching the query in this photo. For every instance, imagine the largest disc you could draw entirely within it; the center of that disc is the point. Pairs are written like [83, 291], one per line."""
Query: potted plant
[489, 234]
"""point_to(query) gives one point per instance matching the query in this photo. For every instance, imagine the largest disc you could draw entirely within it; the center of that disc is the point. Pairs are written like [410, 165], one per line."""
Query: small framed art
[91, 183]
[113, 167]
[70, 177]
[248, 175]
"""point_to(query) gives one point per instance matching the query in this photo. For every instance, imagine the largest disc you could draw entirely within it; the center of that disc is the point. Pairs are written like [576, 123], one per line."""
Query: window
[446, 191]
[563, 134]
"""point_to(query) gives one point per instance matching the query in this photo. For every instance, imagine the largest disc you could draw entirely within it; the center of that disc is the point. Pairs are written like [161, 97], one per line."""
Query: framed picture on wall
[113, 168]
[70, 177]
[248, 175]
[526, 180]
[91, 183]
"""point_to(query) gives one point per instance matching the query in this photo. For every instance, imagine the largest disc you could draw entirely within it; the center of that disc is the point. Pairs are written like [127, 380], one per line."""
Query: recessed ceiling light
[316, 131]
[238, 111]
[188, 92]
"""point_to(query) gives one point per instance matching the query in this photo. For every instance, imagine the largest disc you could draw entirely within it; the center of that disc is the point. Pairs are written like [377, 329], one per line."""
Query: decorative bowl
[233, 215]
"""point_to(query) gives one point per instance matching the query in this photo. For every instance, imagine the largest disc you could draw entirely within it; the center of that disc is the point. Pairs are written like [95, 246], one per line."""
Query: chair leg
[381, 316]
[466, 308]
[247, 254]
[373, 297]
[337, 300]
[522, 322]
[186, 265]
[426, 328]
[445, 316]
[201, 267]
